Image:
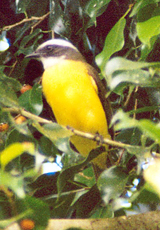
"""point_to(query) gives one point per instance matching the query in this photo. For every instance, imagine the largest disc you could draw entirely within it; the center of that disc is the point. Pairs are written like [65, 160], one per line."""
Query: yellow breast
[72, 95]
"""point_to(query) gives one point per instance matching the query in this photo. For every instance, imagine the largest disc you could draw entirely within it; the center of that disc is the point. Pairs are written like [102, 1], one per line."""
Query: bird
[76, 94]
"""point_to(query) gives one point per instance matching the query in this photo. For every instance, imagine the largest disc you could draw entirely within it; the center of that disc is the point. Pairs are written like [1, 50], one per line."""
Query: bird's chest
[67, 91]
[61, 83]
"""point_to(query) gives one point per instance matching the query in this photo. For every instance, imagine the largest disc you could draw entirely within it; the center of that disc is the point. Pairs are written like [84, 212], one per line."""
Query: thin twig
[65, 193]
[99, 138]
[27, 114]
[90, 136]
[33, 18]
[136, 103]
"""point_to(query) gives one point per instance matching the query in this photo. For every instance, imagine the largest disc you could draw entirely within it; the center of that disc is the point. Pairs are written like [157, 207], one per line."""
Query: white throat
[51, 61]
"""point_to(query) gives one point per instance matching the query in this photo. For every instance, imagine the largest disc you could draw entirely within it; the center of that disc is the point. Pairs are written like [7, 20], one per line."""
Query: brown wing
[102, 95]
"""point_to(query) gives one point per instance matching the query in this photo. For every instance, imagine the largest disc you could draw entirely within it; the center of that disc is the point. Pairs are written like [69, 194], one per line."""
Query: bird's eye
[49, 47]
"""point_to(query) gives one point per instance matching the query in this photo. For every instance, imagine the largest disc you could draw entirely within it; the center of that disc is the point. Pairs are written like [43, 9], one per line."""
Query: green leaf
[87, 202]
[140, 4]
[120, 64]
[146, 195]
[29, 39]
[38, 211]
[57, 134]
[87, 177]
[71, 158]
[146, 108]
[131, 136]
[145, 49]
[16, 135]
[24, 100]
[30, 7]
[112, 183]
[148, 23]
[68, 173]
[148, 29]
[31, 100]
[56, 18]
[21, 33]
[14, 150]
[95, 8]
[11, 82]
[113, 43]
[149, 128]
[8, 96]
[47, 147]
[120, 70]
[136, 77]
[13, 183]
[8, 87]
[36, 99]
[22, 6]
[23, 129]
[103, 212]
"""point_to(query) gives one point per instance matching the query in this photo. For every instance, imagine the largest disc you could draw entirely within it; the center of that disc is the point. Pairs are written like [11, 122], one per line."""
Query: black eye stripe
[59, 51]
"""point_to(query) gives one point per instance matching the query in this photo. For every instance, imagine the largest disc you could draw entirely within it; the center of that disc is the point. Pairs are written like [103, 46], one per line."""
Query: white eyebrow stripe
[58, 42]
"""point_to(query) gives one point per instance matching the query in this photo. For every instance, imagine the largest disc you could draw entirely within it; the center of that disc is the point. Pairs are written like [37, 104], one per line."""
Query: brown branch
[97, 138]
[90, 136]
[100, 139]
[33, 18]
[27, 114]
[146, 221]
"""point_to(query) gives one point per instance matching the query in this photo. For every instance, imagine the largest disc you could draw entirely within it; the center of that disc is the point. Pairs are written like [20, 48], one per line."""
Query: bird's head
[53, 51]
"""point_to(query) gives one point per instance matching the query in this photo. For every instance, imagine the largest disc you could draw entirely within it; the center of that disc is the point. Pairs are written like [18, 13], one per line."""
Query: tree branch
[90, 136]
[33, 18]
[145, 221]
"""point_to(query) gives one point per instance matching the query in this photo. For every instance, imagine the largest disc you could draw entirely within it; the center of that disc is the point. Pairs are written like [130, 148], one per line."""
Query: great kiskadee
[75, 93]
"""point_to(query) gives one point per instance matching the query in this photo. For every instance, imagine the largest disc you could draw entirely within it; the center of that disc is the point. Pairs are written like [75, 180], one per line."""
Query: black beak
[33, 55]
